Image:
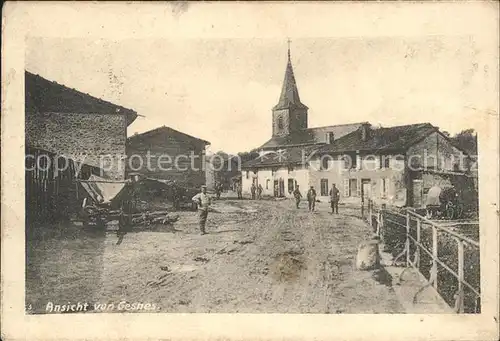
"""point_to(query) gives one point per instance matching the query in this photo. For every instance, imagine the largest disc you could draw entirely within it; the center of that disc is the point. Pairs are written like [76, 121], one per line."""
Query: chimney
[365, 131]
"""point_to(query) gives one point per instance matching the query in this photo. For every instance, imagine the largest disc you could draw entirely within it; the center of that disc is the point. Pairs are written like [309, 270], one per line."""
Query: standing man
[311, 198]
[259, 191]
[252, 190]
[217, 190]
[203, 202]
[239, 190]
[334, 199]
[297, 196]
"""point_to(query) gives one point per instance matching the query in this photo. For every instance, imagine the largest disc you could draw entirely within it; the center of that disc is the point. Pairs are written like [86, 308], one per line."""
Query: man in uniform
[260, 189]
[334, 199]
[311, 198]
[252, 190]
[297, 196]
[217, 190]
[203, 201]
[239, 190]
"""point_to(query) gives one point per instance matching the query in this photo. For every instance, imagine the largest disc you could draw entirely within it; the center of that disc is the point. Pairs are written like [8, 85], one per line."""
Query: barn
[168, 154]
[69, 135]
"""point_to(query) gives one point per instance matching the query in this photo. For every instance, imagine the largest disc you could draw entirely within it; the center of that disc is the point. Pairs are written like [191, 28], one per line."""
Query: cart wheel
[449, 211]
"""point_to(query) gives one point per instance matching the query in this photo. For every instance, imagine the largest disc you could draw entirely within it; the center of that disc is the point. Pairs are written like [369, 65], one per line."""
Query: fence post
[434, 269]
[381, 222]
[407, 244]
[370, 212]
[460, 293]
[417, 254]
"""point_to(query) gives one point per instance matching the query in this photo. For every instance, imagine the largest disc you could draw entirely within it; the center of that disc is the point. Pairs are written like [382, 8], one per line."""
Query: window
[324, 162]
[370, 162]
[350, 161]
[383, 187]
[267, 183]
[280, 122]
[353, 187]
[330, 137]
[385, 161]
[324, 187]
[246, 174]
[291, 183]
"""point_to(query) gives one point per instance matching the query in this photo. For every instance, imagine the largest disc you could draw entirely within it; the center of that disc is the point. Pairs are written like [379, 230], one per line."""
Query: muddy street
[258, 257]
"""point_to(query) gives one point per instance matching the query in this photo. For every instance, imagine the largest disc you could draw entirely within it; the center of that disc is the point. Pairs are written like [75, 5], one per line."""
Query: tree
[466, 140]
[247, 156]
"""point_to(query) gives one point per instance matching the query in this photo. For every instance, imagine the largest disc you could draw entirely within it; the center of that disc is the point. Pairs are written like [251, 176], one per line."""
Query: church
[283, 164]
[394, 165]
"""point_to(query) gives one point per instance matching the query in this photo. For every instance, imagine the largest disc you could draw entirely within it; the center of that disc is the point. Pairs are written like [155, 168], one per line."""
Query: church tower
[289, 115]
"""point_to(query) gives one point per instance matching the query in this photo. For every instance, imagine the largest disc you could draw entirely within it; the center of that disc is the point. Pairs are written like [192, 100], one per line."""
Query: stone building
[69, 135]
[74, 124]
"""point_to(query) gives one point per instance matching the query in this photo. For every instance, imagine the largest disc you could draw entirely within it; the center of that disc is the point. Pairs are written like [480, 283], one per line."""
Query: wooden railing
[414, 239]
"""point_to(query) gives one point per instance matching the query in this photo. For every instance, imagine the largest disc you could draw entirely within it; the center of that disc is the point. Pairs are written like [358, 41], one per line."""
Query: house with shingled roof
[393, 165]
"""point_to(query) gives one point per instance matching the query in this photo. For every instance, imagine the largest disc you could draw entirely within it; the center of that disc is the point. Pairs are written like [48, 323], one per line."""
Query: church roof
[289, 97]
[310, 136]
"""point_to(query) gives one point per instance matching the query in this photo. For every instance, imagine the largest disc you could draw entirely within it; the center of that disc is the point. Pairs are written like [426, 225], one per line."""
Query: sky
[223, 90]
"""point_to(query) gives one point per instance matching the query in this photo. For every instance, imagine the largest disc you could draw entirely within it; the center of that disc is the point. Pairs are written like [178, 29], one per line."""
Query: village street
[259, 256]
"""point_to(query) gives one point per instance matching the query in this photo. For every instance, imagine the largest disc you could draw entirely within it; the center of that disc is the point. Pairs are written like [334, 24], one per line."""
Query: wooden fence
[51, 192]
[445, 252]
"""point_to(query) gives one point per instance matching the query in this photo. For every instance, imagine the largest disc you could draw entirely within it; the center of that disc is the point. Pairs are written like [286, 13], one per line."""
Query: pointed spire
[289, 92]
[289, 60]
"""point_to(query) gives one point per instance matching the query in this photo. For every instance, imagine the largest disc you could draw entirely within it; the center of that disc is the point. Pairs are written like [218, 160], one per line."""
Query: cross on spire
[289, 41]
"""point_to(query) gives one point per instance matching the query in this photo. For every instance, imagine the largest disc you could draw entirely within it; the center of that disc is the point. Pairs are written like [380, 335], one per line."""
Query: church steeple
[289, 92]
[290, 114]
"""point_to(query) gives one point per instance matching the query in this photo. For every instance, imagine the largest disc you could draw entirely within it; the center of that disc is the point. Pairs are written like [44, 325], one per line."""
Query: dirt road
[258, 256]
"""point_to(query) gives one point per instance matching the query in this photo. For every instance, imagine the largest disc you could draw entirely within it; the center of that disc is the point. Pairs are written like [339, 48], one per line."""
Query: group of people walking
[311, 198]
[256, 191]
[203, 200]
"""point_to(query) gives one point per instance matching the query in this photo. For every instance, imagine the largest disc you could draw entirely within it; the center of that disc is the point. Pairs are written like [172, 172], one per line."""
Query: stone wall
[435, 152]
[94, 139]
[292, 119]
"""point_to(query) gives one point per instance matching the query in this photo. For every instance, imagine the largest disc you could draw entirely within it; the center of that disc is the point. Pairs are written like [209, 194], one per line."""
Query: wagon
[131, 201]
[105, 201]
[443, 203]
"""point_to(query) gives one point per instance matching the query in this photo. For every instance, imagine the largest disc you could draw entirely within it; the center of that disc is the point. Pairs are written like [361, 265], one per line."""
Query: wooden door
[418, 193]
[366, 189]
[324, 187]
[282, 188]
